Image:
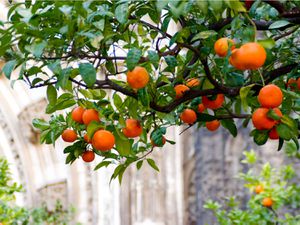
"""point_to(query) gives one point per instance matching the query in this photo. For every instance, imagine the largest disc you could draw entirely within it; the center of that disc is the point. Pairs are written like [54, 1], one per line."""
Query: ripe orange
[138, 77]
[259, 189]
[193, 82]
[213, 104]
[133, 128]
[88, 156]
[293, 83]
[69, 135]
[77, 114]
[180, 89]
[188, 116]
[156, 145]
[201, 108]
[90, 115]
[86, 139]
[212, 125]
[273, 134]
[221, 46]
[270, 96]
[249, 56]
[261, 121]
[103, 140]
[267, 202]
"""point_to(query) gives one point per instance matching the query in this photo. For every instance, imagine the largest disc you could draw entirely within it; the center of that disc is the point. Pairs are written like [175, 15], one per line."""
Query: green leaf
[151, 162]
[244, 91]
[133, 57]
[8, 68]
[260, 136]
[51, 94]
[103, 163]
[204, 35]
[139, 164]
[279, 24]
[273, 115]
[40, 124]
[121, 13]
[88, 73]
[117, 101]
[284, 131]
[143, 96]
[230, 125]
[92, 128]
[123, 145]
[267, 43]
[157, 136]
[154, 58]
[205, 117]
[171, 61]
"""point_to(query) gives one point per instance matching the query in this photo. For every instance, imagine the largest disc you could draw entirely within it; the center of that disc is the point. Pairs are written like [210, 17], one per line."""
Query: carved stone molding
[30, 112]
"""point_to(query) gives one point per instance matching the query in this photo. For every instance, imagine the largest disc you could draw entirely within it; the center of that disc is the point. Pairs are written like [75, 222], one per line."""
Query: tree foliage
[82, 50]
[267, 182]
[11, 214]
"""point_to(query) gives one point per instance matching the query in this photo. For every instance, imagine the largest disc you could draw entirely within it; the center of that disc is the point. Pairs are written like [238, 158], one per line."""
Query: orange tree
[202, 63]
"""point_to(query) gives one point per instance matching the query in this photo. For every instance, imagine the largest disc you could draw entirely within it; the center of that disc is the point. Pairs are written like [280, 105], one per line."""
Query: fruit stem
[253, 24]
[261, 77]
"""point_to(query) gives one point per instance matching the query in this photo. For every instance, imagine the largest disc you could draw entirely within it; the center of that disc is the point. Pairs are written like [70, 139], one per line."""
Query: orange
[193, 82]
[156, 145]
[273, 134]
[138, 77]
[133, 128]
[69, 135]
[270, 96]
[212, 125]
[261, 121]
[90, 115]
[88, 156]
[221, 46]
[293, 83]
[213, 104]
[180, 89]
[259, 189]
[103, 140]
[249, 56]
[188, 116]
[77, 114]
[267, 202]
[201, 108]
[86, 139]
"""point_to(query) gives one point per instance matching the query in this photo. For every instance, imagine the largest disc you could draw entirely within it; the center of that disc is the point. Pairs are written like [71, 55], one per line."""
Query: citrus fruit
[221, 46]
[88, 156]
[212, 125]
[261, 121]
[188, 116]
[90, 115]
[69, 135]
[201, 108]
[267, 202]
[193, 82]
[77, 114]
[138, 78]
[273, 134]
[133, 128]
[103, 140]
[270, 96]
[259, 189]
[213, 104]
[249, 56]
[180, 89]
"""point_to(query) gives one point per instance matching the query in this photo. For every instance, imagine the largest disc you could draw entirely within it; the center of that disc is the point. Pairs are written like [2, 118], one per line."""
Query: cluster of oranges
[269, 97]
[102, 140]
[189, 116]
[249, 56]
[267, 201]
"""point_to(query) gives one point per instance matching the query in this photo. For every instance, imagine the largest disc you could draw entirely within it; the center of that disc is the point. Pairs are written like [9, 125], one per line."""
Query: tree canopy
[132, 69]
